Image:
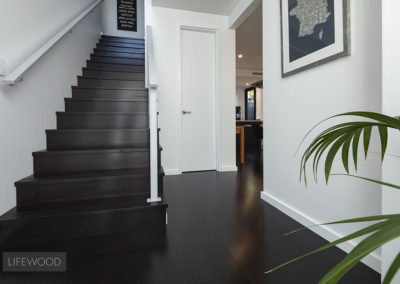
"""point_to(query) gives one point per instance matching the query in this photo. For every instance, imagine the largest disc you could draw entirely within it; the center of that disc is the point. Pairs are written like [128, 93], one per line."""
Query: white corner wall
[29, 107]
[166, 29]
[391, 106]
[295, 104]
[110, 24]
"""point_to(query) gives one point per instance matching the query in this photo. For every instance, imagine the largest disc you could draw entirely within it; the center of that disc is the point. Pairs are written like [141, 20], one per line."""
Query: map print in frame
[313, 32]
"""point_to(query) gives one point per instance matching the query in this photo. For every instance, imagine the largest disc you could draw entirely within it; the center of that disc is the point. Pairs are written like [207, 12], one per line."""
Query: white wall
[28, 108]
[25, 26]
[391, 106]
[166, 28]
[110, 24]
[294, 104]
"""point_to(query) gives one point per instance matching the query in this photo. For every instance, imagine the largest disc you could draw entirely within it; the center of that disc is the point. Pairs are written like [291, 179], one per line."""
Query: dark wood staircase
[94, 177]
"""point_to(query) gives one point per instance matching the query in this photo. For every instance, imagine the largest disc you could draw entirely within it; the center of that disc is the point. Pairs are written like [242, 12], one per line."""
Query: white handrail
[152, 85]
[16, 75]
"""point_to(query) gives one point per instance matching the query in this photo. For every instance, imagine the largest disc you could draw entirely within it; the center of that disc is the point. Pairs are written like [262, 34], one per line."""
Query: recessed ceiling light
[247, 84]
[240, 55]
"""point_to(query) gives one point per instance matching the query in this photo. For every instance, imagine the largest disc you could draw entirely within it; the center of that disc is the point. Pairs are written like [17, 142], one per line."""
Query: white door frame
[217, 88]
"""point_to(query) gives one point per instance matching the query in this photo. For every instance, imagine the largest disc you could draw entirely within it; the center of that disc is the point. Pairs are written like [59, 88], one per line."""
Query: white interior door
[198, 91]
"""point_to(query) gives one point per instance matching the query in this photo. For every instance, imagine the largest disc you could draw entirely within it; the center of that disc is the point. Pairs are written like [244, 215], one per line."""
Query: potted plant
[346, 137]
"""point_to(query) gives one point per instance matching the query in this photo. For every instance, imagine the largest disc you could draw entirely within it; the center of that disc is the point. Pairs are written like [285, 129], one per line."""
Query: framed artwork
[313, 32]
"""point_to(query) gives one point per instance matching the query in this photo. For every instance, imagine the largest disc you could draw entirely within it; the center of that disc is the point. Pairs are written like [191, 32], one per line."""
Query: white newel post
[153, 145]
[152, 85]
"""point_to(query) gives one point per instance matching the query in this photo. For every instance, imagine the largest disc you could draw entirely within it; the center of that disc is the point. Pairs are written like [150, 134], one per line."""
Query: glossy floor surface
[219, 231]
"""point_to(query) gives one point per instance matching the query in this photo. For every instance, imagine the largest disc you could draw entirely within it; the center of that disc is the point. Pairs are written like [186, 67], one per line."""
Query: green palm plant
[346, 137]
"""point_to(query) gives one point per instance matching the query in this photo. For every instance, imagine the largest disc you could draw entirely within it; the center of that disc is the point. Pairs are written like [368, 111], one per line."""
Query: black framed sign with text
[127, 15]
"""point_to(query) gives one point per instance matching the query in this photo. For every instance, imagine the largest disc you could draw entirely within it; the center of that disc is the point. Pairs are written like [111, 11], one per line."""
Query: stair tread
[78, 177]
[116, 71]
[91, 151]
[96, 130]
[121, 37]
[101, 113]
[103, 88]
[100, 100]
[100, 62]
[116, 51]
[85, 209]
[109, 79]
[113, 56]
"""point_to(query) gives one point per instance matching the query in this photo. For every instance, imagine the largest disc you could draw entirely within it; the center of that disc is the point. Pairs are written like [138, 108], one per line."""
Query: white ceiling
[249, 43]
[219, 7]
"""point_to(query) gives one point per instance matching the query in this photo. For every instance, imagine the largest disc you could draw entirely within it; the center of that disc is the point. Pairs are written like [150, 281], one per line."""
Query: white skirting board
[228, 169]
[176, 172]
[373, 260]
[172, 172]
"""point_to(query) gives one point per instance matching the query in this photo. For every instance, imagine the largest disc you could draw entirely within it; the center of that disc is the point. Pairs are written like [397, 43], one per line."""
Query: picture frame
[313, 32]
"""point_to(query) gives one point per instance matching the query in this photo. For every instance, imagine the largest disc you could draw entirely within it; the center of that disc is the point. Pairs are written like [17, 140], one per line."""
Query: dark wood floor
[219, 231]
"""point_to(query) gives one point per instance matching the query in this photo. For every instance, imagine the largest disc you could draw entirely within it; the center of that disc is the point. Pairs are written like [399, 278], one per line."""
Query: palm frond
[342, 136]
[393, 269]
[345, 136]
[388, 222]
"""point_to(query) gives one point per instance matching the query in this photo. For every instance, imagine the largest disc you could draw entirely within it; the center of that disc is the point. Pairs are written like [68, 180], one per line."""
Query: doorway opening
[249, 90]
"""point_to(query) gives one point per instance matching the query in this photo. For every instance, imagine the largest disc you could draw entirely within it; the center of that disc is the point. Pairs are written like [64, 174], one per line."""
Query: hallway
[218, 232]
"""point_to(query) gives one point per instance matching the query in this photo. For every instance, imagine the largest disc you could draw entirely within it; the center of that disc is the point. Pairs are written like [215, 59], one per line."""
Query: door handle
[186, 112]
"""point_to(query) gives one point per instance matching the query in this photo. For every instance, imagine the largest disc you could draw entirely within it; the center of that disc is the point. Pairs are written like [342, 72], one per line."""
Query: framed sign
[127, 15]
[313, 32]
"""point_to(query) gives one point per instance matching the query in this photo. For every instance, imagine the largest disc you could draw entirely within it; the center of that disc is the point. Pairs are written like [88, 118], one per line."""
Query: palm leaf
[386, 234]
[371, 180]
[331, 140]
[353, 220]
[392, 270]
[360, 233]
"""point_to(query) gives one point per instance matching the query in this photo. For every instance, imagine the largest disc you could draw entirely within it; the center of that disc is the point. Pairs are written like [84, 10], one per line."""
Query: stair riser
[120, 49]
[105, 106]
[113, 75]
[68, 163]
[116, 60]
[57, 140]
[56, 228]
[109, 94]
[102, 121]
[115, 67]
[117, 84]
[123, 40]
[77, 193]
[119, 54]
[121, 44]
